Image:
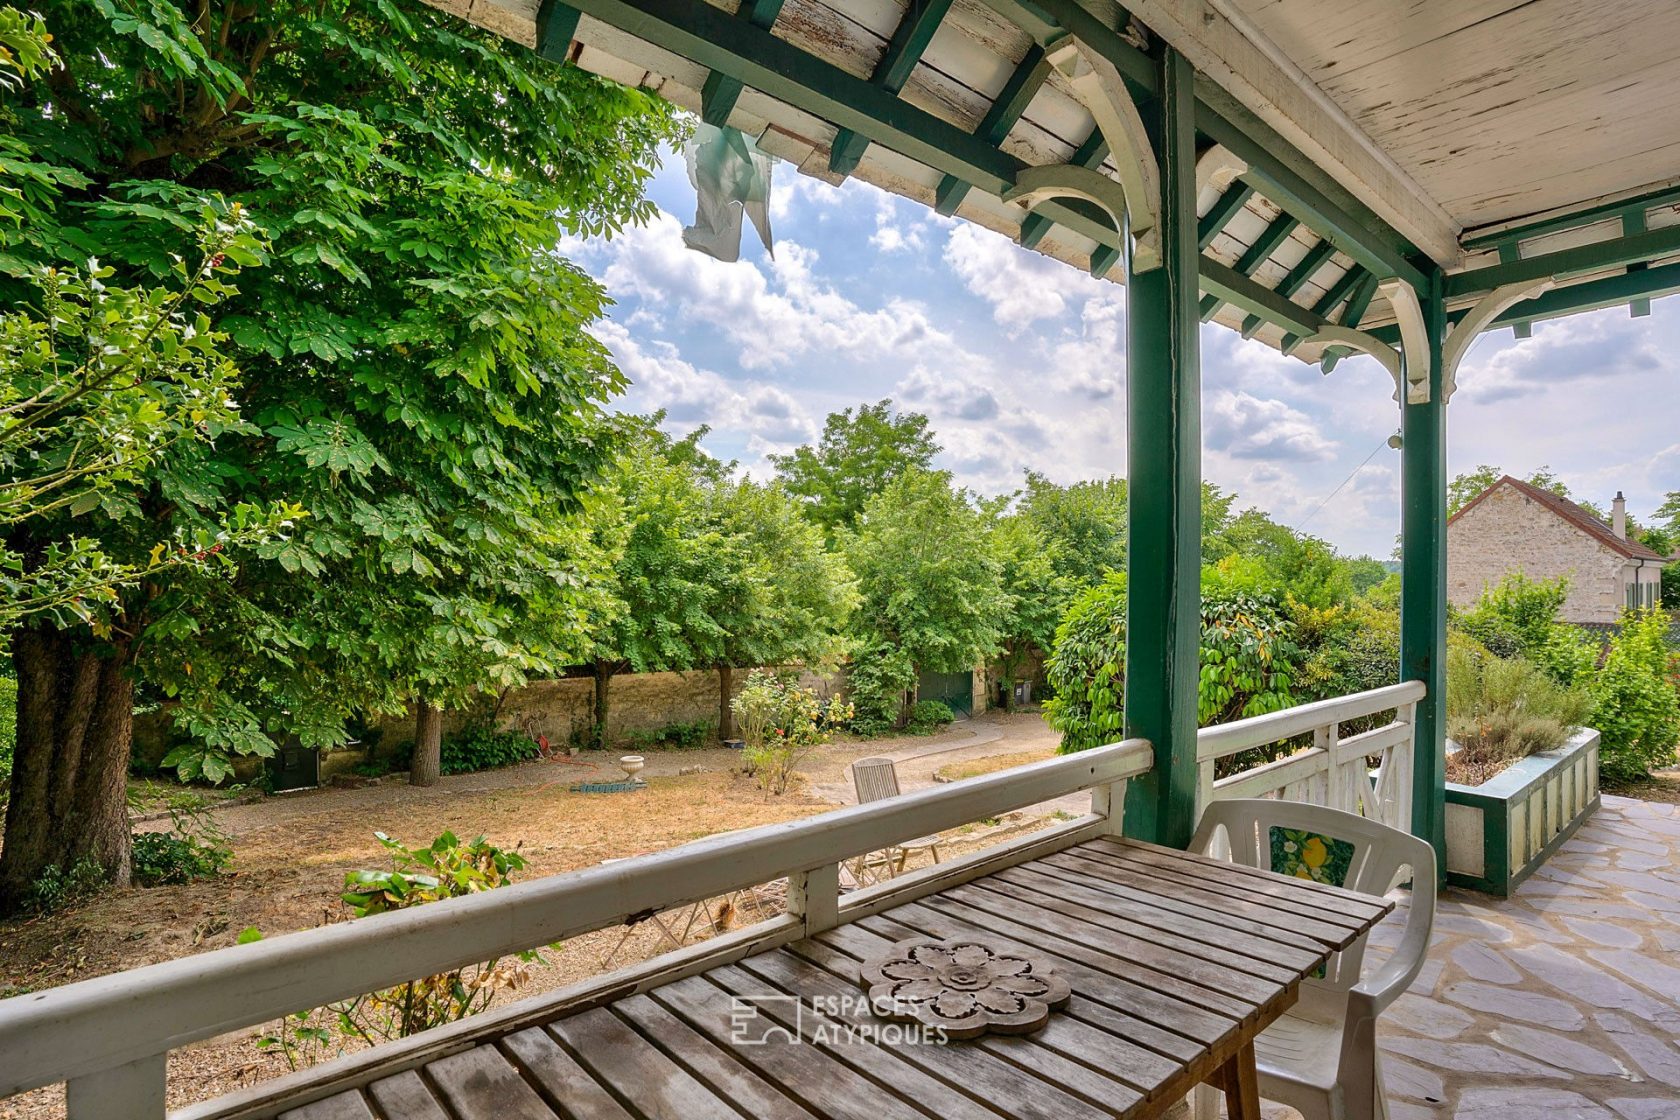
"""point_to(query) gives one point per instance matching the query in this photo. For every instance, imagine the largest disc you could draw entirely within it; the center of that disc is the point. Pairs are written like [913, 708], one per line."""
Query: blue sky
[1020, 362]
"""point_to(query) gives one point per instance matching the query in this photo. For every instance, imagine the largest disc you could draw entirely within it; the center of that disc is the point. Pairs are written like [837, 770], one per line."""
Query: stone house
[1513, 526]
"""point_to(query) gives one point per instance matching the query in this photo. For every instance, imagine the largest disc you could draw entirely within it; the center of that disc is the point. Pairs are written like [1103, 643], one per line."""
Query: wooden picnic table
[1176, 963]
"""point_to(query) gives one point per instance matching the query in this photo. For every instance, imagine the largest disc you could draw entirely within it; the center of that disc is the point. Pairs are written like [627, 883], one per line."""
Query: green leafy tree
[652, 519]
[414, 358]
[1035, 592]
[1272, 559]
[1086, 521]
[861, 450]
[779, 594]
[928, 581]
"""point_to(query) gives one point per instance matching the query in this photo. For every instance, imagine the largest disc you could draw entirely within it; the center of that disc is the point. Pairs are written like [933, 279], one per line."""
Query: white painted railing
[1335, 771]
[109, 1037]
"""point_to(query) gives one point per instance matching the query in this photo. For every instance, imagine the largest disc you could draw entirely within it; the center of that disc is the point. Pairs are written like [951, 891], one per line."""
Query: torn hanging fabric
[730, 176]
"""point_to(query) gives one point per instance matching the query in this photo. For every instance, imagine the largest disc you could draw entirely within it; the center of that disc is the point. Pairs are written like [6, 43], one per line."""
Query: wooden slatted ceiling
[1171, 958]
[1498, 108]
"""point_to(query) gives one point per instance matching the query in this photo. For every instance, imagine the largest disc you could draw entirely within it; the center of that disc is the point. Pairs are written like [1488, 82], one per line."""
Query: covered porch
[1209, 156]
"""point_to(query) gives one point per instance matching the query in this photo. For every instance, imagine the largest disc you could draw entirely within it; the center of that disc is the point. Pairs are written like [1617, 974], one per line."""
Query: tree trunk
[69, 802]
[603, 679]
[427, 764]
[726, 714]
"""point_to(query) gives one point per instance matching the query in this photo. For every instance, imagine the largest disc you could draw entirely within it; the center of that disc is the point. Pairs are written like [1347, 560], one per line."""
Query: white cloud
[1247, 427]
[1021, 286]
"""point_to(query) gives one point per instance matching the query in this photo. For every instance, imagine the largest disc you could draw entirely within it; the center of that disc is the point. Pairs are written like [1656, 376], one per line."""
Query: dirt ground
[291, 853]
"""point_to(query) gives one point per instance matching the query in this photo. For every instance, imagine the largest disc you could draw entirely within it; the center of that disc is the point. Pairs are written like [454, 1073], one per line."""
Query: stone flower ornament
[964, 987]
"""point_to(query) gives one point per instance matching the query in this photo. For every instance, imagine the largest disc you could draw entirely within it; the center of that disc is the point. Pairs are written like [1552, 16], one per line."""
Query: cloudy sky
[1020, 362]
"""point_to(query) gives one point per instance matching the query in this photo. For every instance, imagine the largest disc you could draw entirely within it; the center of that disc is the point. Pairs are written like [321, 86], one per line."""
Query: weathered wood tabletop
[1176, 963]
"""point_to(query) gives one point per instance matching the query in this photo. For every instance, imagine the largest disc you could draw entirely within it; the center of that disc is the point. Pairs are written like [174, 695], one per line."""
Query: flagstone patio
[1562, 1002]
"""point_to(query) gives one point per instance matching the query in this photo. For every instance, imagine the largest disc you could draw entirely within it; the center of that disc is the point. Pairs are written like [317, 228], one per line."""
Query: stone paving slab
[1562, 1003]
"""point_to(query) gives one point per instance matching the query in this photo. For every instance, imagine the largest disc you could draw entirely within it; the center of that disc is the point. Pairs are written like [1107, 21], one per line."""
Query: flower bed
[1500, 831]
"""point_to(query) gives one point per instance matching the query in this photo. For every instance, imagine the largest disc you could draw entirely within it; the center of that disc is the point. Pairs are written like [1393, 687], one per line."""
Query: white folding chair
[875, 779]
[1321, 1057]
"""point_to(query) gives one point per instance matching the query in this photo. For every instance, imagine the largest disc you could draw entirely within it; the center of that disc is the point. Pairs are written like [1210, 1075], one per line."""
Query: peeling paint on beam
[910, 39]
[1667, 196]
[719, 94]
[1341, 289]
[1012, 101]
[1219, 215]
[1637, 248]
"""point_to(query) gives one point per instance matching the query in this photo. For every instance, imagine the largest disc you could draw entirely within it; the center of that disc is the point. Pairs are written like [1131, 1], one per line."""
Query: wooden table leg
[1241, 1085]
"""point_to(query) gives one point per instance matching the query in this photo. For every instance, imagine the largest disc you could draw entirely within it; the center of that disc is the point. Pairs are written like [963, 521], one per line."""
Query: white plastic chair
[1321, 1057]
[876, 779]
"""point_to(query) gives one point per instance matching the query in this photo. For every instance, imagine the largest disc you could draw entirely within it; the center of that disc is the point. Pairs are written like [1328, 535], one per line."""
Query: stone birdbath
[632, 765]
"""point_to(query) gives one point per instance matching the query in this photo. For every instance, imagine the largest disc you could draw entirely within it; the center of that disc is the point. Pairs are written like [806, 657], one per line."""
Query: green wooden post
[1423, 580]
[1164, 465]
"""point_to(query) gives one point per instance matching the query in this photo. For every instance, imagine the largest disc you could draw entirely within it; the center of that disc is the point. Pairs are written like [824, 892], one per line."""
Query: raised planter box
[1500, 831]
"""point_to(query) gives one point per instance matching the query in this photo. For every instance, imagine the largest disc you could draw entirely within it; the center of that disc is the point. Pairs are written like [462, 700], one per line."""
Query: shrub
[55, 888]
[676, 736]
[1086, 667]
[880, 676]
[1499, 709]
[1525, 608]
[1634, 701]
[193, 847]
[446, 868]
[929, 716]
[780, 723]
[167, 858]
[481, 748]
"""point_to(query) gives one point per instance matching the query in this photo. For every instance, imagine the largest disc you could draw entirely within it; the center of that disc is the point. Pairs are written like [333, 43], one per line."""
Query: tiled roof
[1570, 512]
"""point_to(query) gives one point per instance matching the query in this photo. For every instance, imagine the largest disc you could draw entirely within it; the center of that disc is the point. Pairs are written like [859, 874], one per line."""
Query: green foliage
[1086, 668]
[1084, 521]
[928, 581]
[103, 390]
[928, 716]
[1635, 701]
[168, 858]
[1517, 609]
[781, 722]
[57, 888]
[1671, 585]
[1249, 658]
[414, 361]
[1252, 554]
[676, 736]
[1507, 708]
[1249, 661]
[878, 681]
[861, 450]
[484, 748]
[446, 868]
[194, 846]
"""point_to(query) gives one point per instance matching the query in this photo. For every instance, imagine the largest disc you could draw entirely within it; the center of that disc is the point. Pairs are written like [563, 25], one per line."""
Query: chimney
[1618, 516]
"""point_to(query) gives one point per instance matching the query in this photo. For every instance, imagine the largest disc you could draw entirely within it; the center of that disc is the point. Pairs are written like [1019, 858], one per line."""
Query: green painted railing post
[1423, 580]
[1164, 465]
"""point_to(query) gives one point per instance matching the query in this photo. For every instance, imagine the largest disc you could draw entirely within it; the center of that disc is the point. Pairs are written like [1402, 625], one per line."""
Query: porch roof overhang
[1516, 146]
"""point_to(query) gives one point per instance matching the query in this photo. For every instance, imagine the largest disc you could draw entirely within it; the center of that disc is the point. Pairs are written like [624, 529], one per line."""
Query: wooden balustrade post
[814, 896]
[135, 1091]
